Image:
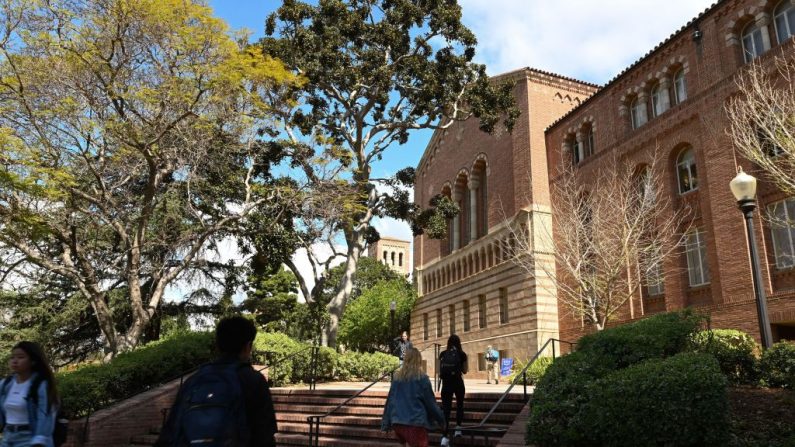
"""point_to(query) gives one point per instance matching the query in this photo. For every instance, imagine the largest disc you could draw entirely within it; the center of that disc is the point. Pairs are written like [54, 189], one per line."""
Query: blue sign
[506, 366]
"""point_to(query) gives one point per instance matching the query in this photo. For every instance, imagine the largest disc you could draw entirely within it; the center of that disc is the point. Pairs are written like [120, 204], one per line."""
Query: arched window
[686, 171]
[400, 259]
[393, 258]
[638, 110]
[785, 20]
[588, 142]
[753, 45]
[657, 102]
[385, 257]
[680, 87]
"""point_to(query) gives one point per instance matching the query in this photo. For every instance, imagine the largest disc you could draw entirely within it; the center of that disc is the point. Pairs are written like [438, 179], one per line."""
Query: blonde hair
[412, 366]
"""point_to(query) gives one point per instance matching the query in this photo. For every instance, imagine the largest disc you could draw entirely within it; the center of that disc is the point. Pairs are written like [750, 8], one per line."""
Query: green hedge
[364, 366]
[534, 373]
[734, 350]
[777, 366]
[564, 392]
[678, 401]
[658, 336]
[96, 385]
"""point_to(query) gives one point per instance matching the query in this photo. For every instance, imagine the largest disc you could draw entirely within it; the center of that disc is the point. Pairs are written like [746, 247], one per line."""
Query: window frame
[656, 100]
[788, 229]
[504, 317]
[451, 322]
[679, 79]
[425, 330]
[752, 33]
[466, 311]
[784, 10]
[696, 244]
[634, 111]
[691, 168]
[482, 309]
[439, 330]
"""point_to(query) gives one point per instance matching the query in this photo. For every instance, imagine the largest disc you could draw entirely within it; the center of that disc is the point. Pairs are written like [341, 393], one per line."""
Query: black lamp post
[743, 186]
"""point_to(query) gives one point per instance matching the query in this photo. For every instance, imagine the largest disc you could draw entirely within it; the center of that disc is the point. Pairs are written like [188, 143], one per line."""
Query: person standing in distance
[411, 405]
[492, 365]
[403, 345]
[226, 402]
[453, 364]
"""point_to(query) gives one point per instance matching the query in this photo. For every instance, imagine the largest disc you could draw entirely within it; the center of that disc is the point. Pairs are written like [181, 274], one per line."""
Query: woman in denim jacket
[28, 420]
[411, 407]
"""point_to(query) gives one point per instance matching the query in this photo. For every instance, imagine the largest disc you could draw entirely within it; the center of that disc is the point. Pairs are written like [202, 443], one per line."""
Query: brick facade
[502, 182]
[709, 53]
[393, 253]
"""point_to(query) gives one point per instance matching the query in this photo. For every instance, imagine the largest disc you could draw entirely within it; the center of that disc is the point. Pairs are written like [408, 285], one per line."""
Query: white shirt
[16, 406]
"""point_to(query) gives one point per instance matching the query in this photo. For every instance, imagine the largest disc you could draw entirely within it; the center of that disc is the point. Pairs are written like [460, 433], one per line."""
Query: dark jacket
[401, 347]
[260, 414]
[411, 402]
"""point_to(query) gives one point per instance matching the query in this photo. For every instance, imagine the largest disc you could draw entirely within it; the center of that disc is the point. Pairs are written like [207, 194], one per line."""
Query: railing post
[553, 349]
[524, 378]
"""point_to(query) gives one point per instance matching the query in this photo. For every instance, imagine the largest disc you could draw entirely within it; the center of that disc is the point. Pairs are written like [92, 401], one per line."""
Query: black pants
[452, 387]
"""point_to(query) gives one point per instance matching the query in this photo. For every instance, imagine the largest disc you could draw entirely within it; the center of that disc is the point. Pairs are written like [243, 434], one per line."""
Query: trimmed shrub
[658, 336]
[777, 366]
[534, 373]
[364, 366]
[734, 350]
[678, 401]
[96, 385]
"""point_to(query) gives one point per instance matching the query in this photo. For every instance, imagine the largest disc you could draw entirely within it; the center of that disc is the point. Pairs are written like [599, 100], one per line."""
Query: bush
[679, 401]
[364, 366]
[658, 336]
[777, 366]
[734, 350]
[96, 385]
[534, 373]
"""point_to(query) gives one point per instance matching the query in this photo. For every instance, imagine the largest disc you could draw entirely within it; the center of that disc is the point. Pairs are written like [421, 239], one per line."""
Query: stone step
[291, 439]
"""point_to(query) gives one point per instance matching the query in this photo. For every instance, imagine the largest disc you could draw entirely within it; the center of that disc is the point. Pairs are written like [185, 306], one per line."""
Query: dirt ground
[762, 417]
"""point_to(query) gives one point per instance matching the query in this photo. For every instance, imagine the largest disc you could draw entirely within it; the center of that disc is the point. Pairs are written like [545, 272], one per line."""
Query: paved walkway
[472, 386]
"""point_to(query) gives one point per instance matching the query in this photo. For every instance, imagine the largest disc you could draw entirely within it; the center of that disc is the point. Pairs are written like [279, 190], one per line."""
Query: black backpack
[451, 362]
[211, 411]
[61, 428]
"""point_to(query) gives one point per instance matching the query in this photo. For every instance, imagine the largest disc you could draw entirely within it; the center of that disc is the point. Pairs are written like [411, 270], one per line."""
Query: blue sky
[584, 39]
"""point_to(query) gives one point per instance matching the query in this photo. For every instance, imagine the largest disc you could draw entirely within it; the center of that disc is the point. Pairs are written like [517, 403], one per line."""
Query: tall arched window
[657, 99]
[638, 110]
[588, 150]
[680, 87]
[686, 171]
[753, 45]
[785, 20]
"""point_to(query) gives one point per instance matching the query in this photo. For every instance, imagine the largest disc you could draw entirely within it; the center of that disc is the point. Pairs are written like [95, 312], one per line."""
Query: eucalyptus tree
[374, 71]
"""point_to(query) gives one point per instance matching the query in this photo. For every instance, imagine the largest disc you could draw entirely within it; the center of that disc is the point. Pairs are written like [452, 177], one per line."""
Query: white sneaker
[445, 442]
[458, 433]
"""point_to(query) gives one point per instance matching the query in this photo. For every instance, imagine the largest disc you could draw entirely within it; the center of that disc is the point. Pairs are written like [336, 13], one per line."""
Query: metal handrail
[315, 419]
[313, 362]
[474, 429]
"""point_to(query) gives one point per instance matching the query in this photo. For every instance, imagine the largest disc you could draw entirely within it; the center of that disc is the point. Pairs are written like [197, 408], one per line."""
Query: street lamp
[392, 307]
[743, 186]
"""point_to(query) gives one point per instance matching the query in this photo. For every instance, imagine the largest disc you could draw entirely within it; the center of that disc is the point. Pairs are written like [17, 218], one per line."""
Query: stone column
[665, 98]
[763, 22]
[457, 222]
[473, 209]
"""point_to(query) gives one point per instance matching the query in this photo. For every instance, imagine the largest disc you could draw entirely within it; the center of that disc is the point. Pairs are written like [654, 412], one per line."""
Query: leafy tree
[130, 143]
[375, 70]
[272, 299]
[366, 325]
[369, 272]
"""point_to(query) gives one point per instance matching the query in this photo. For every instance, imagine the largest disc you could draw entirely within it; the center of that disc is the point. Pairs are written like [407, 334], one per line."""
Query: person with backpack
[226, 402]
[492, 365]
[411, 405]
[452, 366]
[29, 400]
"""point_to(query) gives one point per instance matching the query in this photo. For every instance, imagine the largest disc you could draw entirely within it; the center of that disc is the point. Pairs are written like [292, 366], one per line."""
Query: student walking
[453, 364]
[28, 399]
[402, 345]
[226, 402]
[492, 365]
[411, 405]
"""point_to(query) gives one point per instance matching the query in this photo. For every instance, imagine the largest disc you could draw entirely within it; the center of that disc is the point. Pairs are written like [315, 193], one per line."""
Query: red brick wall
[712, 64]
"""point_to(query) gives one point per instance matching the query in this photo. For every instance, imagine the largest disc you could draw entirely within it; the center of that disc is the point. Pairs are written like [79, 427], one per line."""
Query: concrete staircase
[359, 423]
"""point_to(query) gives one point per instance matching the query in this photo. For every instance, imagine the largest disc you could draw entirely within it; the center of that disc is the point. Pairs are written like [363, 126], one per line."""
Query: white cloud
[585, 39]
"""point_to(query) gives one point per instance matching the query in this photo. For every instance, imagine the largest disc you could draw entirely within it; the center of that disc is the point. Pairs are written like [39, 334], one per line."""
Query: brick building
[466, 283]
[393, 253]
[671, 101]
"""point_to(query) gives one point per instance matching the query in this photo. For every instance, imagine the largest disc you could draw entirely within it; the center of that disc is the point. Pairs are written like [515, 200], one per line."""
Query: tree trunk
[337, 304]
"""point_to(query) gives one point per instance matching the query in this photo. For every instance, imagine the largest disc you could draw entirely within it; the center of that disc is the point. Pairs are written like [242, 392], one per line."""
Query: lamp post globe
[743, 187]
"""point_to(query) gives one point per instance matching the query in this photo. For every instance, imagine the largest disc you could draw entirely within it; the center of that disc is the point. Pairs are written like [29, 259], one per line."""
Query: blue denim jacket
[411, 402]
[40, 418]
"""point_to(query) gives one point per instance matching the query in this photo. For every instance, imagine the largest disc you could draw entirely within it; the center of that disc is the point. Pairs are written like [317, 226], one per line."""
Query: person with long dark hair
[453, 364]
[28, 399]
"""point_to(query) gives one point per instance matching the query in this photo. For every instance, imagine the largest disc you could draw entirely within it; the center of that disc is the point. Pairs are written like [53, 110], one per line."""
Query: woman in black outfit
[453, 362]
